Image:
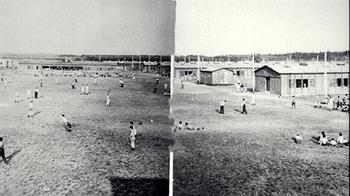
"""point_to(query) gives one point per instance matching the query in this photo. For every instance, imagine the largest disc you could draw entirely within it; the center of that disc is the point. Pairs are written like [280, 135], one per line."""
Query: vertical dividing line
[172, 63]
[171, 167]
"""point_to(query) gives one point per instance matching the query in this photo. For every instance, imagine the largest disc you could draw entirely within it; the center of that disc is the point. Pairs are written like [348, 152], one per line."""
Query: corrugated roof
[310, 67]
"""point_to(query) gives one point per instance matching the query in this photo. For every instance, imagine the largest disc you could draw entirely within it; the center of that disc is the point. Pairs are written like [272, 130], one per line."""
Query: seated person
[298, 139]
[188, 127]
[341, 141]
[333, 142]
[323, 139]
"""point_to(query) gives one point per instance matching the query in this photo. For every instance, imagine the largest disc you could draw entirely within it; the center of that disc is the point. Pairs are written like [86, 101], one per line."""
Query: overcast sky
[87, 26]
[214, 27]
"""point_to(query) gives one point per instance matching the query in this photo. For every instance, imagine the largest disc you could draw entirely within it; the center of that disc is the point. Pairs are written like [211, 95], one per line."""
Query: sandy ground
[95, 158]
[254, 154]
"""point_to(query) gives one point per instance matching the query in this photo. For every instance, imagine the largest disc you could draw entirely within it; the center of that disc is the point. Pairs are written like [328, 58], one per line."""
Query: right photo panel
[260, 97]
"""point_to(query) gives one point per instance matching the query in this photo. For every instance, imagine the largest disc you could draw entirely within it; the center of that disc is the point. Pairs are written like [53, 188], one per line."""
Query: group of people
[180, 126]
[323, 140]
[334, 102]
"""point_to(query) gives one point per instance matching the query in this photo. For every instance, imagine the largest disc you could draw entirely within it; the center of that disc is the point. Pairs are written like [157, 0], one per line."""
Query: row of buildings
[90, 67]
[281, 78]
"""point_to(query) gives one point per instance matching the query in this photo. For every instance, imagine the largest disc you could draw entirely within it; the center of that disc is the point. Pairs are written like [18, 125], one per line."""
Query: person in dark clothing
[2, 151]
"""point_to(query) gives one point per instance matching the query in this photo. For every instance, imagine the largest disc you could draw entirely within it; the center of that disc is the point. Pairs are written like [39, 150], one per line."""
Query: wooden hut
[216, 76]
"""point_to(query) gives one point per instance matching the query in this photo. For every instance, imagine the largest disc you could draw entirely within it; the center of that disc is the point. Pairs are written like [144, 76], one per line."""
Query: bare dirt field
[95, 158]
[254, 154]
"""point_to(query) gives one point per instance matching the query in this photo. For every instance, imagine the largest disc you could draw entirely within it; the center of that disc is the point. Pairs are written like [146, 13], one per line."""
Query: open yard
[95, 158]
[254, 154]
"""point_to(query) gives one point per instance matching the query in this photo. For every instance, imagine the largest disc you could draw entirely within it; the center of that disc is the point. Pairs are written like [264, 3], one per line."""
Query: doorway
[267, 83]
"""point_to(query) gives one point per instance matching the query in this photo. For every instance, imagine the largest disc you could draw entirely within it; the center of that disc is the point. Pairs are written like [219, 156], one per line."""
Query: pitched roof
[310, 67]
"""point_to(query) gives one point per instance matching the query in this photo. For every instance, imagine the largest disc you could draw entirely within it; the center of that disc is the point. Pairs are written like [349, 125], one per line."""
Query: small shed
[216, 76]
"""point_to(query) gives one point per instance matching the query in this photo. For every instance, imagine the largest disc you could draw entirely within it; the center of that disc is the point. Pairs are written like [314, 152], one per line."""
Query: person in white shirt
[132, 139]
[323, 139]
[82, 90]
[222, 107]
[294, 103]
[87, 89]
[341, 141]
[298, 139]
[67, 125]
[28, 93]
[31, 107]
[108, 100]
[333, 142]
[17, 96]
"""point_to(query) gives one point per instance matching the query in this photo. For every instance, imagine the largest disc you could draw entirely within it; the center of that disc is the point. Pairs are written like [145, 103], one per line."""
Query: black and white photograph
[260, 97]
[174, 97]
[84, 97]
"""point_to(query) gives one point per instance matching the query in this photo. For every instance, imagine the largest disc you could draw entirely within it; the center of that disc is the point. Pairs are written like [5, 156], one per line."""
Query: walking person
[244, 107]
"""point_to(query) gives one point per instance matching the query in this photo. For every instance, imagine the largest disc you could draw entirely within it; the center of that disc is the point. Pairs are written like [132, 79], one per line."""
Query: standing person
[67, 125]
[330, 103]
[133, 131]
[36, 93]
[222, 107]
[294, 103]
[41, 82]
[108, 100]
[244, 107]
[157, 80]
[2, 150]
[28, 93]
[31, 108]
[338, 103]
[87, 89]
[82, 89]
[121, 83]
[132, 138]
[16, 96]
[182, 84]
[95, 79]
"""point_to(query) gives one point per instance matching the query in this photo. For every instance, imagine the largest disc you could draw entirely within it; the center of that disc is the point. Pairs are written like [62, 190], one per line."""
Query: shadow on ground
[139, 186]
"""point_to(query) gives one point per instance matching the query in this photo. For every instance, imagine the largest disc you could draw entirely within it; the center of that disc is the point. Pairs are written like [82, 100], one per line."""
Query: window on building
[238, 73]
[298, 83]
[346, 82]
[312, 82]
[189, 72]
[305, 83]
[338, 82]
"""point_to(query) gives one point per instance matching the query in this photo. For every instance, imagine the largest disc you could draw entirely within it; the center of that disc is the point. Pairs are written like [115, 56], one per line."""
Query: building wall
[206, 78]
[186, 73]
[313, 84]
[222, 77]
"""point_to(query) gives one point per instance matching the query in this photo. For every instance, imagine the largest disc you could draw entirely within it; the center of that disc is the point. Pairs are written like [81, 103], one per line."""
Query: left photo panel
[84, 96]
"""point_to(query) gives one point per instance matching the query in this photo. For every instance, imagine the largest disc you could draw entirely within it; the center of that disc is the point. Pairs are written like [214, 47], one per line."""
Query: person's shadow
[9, 158]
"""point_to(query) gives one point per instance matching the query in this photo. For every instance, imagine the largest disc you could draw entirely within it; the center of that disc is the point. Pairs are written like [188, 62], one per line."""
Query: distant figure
[133, 131]
[165, 88]
[87, 89]
[189, 127]
[330, 103]
[182, 84]
[82, 92]
[28, 93]
[157, 81]
[294, 104]
[222, 107]
[2, 150]
[317, 103]
[155, 89]
[41, 82]
[179, 126]
[31, 108]
[338, 103]
[121, 83]
[341, 141]
[16, 96]
[244, 107]
[132, 138]
[36, 93]
[323, 139]
[108, 100]
[95, 79]
[298, 139]
[73, 84]
[66, 124]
